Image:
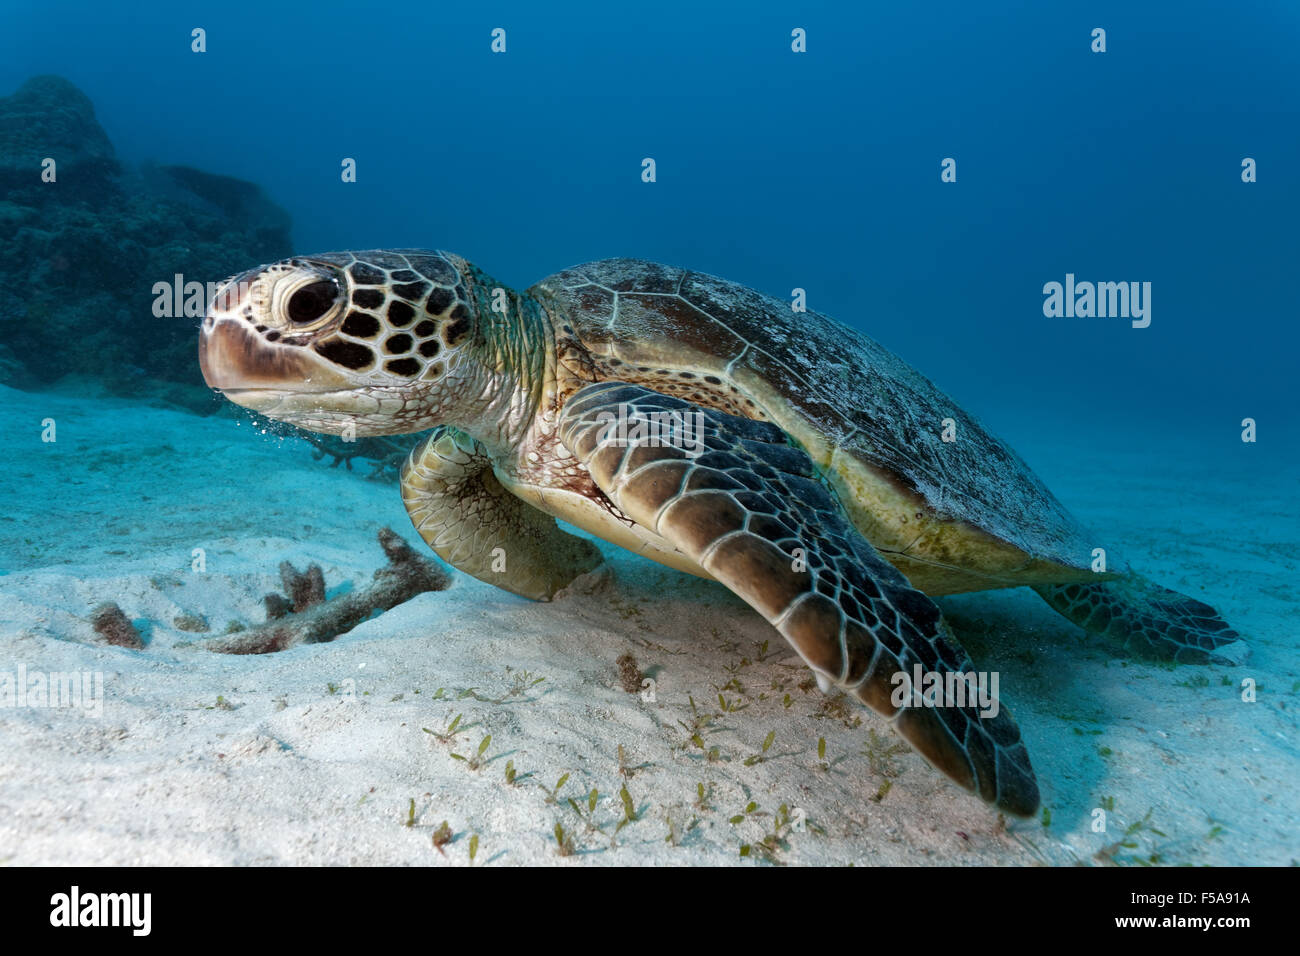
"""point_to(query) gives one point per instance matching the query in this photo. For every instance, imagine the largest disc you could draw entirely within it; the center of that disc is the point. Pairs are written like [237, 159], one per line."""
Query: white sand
[290, 772]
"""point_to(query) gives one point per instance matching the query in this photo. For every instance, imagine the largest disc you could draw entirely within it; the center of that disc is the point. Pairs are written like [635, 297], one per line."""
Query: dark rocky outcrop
[49, 117]
[79, 257]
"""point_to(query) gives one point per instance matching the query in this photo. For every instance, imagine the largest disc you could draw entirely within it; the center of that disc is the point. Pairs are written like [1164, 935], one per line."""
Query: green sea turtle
[707, 427]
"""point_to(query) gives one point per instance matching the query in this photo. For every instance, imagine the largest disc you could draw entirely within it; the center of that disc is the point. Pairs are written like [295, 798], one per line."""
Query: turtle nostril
[311, 302]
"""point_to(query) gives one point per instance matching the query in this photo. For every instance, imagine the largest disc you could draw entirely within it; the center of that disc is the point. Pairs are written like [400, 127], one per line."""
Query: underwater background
[820, 170]
[779, 170]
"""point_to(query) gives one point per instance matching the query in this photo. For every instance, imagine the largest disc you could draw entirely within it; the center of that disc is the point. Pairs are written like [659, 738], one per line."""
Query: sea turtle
[710, 428]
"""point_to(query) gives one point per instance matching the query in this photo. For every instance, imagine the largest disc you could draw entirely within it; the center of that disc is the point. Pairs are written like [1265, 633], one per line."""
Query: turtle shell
[959, 515]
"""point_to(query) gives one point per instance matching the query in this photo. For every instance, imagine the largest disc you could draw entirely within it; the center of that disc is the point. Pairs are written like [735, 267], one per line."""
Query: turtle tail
[1148, 620]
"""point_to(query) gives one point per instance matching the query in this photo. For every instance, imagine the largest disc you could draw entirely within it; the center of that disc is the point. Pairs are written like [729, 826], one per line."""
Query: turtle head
[367, 343]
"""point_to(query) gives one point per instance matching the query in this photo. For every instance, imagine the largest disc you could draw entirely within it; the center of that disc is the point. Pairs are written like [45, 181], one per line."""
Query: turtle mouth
[317, 409]
[290, 400]
[264, 398]
[232, 358]
[291, 384]
[368, 410]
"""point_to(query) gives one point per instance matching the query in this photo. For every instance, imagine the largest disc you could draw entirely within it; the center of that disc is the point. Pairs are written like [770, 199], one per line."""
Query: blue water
[818, 170]
[782, 170]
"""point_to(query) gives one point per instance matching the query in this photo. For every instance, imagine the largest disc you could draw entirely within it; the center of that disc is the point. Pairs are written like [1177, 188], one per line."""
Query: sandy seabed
[314, 755]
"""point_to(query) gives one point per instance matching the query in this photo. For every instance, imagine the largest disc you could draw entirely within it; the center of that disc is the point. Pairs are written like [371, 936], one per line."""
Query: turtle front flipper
[475, 525]
[739, 499]
[1149, 620]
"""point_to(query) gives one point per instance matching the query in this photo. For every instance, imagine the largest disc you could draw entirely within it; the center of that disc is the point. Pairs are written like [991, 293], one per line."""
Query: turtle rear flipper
[736, 497]
[1149, 620]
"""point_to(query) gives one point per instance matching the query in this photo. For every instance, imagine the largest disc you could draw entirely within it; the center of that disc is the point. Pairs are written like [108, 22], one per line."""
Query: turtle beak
[233, 357]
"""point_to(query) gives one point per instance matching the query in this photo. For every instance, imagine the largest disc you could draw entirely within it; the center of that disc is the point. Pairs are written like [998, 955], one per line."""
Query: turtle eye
[311, 302]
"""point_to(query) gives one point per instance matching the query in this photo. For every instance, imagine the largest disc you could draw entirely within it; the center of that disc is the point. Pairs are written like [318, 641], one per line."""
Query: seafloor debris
[190, 622]
[277, 606]
[304, 588]
[305, 617]
[114, 627]
[386, 454]
[629, 674]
